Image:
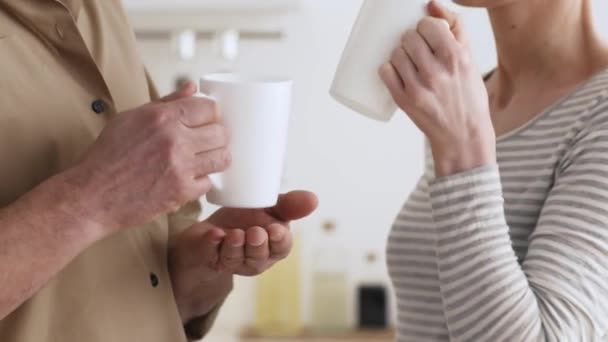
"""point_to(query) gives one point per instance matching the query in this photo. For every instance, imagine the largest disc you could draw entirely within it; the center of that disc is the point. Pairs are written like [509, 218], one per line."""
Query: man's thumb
[187, 90]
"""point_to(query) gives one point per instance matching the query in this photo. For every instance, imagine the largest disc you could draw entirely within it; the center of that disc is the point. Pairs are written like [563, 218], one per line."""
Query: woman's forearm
[39, 235]
[487, 294]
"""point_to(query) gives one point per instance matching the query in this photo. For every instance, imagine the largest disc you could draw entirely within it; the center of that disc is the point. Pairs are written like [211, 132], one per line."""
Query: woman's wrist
[453, 158]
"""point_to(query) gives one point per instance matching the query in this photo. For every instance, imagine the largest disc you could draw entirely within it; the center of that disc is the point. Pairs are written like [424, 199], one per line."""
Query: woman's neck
[546, 41]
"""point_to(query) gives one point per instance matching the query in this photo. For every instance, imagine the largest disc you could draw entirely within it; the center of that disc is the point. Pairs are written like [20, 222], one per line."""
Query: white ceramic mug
[377, 31]
[256, 112]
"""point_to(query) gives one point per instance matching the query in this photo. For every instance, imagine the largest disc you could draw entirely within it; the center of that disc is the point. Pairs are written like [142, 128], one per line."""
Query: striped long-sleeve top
[514, 252]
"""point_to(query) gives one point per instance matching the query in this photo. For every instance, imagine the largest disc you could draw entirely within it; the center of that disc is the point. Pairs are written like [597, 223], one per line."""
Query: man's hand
[150, 161]
[244, 242]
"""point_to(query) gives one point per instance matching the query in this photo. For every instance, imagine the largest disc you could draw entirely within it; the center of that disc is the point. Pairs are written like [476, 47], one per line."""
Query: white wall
[361, 170]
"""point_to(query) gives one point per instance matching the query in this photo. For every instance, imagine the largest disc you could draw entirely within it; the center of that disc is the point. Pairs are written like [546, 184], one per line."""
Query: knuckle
[204, 186]
[168, 146]
[175, 197]
[217, 161]
[463, 58]
[219, 133]
[158, 116]
[176, 175]
[417, 97]
[451, 58]
[212, 261]
[209, 108]
[424, 24]
[225, 159]
[231, 260]
[179, 109]
[398, 55]
[182, 189]
[256, 264]
[408, 36]
[457, 18]
[435, 80]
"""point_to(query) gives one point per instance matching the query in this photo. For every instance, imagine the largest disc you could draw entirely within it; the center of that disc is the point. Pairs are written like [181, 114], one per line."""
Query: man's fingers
[187, 90]
[214, 161]
[194, 111]
[294, 205]
[257, 253]
[281, 241]
[207, 138]
[210, 247]
[232, 255]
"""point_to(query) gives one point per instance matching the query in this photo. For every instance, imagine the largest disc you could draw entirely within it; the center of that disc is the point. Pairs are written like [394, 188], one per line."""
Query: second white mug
[256, 112]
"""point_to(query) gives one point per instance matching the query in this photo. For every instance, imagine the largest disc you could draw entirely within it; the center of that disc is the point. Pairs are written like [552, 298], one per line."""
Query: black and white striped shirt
[517, 252]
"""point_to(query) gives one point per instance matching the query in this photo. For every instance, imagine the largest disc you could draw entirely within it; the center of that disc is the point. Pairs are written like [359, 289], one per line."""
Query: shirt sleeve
[199, 327]
[560, 291]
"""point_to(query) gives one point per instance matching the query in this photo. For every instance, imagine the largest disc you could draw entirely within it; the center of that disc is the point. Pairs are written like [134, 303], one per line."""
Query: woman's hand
[433, 79]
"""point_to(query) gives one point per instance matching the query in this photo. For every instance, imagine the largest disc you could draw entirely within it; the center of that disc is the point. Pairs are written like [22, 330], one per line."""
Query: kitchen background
[362, 170]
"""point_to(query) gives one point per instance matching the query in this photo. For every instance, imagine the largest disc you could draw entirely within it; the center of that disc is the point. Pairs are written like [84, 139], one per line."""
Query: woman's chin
[483, 3]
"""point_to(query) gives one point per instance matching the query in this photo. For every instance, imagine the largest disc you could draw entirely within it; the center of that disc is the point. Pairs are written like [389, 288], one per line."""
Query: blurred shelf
[250, 335]
[258, 18]
[209, 5]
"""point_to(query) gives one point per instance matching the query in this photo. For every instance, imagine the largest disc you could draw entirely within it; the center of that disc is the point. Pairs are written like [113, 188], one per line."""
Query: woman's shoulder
[588, 104]
[595, 92]
[590, 133]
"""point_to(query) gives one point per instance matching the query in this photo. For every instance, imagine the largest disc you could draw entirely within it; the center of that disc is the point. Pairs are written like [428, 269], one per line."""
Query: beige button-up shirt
[66, 68]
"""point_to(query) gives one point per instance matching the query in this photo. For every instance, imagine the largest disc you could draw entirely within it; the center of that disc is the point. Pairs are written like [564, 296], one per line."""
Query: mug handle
[216, 179]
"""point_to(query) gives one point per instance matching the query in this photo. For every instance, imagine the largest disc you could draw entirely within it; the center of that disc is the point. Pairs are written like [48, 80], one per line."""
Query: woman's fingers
[393, 81]
[437, 10]
[436, 32]
[419, 53]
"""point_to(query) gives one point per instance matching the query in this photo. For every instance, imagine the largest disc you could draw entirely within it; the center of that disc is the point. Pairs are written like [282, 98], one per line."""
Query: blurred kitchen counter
[355, 336]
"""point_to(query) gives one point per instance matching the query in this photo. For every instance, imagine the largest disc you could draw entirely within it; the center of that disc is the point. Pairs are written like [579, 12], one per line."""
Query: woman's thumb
[437, 10]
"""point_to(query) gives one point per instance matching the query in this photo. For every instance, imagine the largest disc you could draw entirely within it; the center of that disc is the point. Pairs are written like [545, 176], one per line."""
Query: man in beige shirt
[92, 162]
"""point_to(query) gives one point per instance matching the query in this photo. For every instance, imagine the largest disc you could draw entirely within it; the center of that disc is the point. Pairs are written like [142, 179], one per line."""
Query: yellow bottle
[330, 285]
[277, 311]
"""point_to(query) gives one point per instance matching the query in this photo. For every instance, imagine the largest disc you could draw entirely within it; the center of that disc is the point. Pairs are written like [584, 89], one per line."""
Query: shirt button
[154, 280]
[98, 106]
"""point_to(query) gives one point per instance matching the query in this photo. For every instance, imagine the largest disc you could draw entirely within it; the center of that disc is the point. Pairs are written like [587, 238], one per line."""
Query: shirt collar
[72, 5]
